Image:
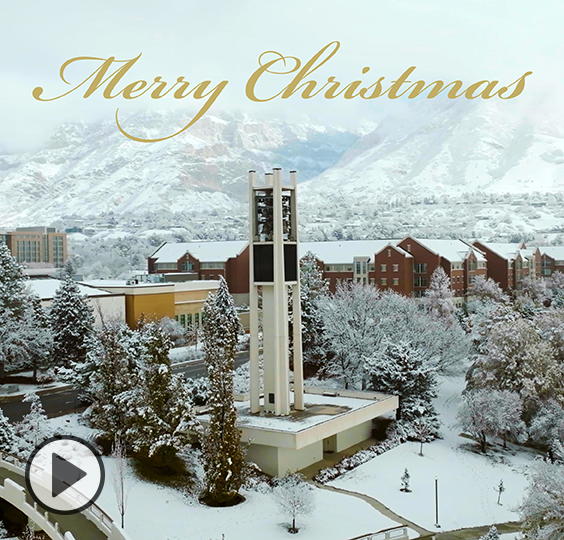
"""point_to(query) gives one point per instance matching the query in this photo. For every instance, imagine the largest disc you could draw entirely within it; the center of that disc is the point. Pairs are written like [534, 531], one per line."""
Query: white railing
[395, 533]
[93, 513]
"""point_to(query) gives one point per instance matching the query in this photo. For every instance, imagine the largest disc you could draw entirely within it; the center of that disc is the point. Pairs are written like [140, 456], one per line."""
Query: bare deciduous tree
[294, 497]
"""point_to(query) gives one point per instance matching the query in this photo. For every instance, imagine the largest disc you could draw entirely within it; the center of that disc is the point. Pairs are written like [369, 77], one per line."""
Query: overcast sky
[222, 40]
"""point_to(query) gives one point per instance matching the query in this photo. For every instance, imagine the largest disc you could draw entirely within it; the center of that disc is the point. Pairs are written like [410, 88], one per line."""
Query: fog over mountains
[438, 150]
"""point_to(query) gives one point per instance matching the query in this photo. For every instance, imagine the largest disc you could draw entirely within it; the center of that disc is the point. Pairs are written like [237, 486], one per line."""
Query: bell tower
[274, 267]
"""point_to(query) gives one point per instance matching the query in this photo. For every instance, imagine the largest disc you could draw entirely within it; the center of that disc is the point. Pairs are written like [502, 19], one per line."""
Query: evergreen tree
[109, 373]
[34, 427]
[223, 455]
[23, 341]
[8, 438]
[313, 286]
[72, 323]
[405, 481]
[13, 292]
[160, 414]
[492, 534]
[399, 369]
[439, 297]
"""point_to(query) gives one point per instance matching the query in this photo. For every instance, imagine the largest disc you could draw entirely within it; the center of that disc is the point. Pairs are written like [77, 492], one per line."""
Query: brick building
[508, 264]
[39, 246]
[551, 260]
[404, 266]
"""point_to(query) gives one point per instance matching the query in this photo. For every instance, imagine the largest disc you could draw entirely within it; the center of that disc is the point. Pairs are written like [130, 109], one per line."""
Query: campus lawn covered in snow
[467, 479]
[156, 512]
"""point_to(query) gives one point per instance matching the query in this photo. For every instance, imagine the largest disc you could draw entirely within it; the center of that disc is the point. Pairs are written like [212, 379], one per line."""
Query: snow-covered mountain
[84, 170]
[449, 148]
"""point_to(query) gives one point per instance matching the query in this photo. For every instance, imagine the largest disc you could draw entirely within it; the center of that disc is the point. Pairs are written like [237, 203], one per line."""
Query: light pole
[437, 503]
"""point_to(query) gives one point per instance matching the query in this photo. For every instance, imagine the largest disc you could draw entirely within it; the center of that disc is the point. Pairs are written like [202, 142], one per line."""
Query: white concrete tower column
[254, 375]
[297, 311]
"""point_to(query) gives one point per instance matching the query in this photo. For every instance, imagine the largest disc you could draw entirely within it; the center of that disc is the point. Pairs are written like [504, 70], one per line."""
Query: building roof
[504, 250]
[554, 252]
[345, 251]
[46, 288]
[451, 250]
[203, 251]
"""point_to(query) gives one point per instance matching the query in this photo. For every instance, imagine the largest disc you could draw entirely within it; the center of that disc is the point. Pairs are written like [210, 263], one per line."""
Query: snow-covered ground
[159, 513]
[467, 480]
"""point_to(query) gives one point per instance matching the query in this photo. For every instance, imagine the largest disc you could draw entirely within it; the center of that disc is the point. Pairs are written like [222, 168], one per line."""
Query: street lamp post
[437, 503]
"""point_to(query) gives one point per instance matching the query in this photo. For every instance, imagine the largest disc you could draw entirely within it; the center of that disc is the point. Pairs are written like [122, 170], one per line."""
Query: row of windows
[384, 282]
[212, 266]
[384, 268]
[186, 321]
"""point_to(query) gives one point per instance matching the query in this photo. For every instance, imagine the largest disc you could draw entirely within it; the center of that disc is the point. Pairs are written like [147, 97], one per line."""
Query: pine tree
[159, 414]
[492, 534]
[439, 297]
[72, 322]
[8, 438]
[313, 287]
[109, 373]
[399, 369]
[405, 481]
[223, 455]
[34, 427]
[13, 292]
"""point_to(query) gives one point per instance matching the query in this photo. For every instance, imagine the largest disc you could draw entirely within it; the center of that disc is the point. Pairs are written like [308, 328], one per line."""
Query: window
[420, 268]
[328, 268]
[395, 267]
[372, 281]
[183, 320]
[420, 281]
[396, 281]
[371, 268]
[389, 252]
[382, 268]
[358, 268]
[167, 266]
[212, 266]
[409, 248]
[196, 320]
[471, 266]
[189, 321]
[383, 281]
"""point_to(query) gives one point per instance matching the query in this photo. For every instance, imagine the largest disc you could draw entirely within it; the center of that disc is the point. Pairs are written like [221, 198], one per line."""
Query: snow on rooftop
[505, 250]
[203, 251]
[555, 252]
[46, 288]
[345, 251]
[451, 250]
[318, 409]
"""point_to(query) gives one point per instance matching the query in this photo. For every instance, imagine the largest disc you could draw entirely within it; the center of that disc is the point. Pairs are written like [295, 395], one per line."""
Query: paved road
[68, 401]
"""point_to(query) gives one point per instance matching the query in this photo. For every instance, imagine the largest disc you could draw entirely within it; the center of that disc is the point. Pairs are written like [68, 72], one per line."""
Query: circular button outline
[95, 453]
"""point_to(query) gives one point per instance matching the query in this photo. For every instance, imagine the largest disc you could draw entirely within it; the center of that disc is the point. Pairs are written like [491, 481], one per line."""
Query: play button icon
[65, 475]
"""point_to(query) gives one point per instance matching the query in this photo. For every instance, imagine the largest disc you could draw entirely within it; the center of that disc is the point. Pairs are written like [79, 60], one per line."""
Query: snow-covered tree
[548, 424]
[492, 534]
[34, 427]
[72, 322]
[110, 371]
[313, 287]
[400, 369]
[422, 432]
[3, 530]
[222, 452]
[24, 340]
[500, 488]
[491, 413]
[542, 510]
[119, 478]
[349, 317]
[487, 289]
[439, 297]
[295, 497]
[405, 478]
[519, 360]
[8, 438]
[159, 412]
